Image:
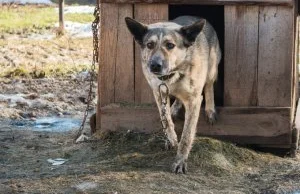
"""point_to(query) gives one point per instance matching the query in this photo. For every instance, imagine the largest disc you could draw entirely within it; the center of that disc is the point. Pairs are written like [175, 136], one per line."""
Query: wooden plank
[280, 141]
[124, 80]
[108, 49]
[297, 49]
[295, 94]
[146, 14]
[253, 125]
[240, 69]
[208, 2]
[275, 57]
[295, 131]
[297, 118]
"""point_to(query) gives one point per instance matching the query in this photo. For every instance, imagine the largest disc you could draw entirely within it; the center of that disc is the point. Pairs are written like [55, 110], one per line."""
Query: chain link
[164, 103]
[95, 29]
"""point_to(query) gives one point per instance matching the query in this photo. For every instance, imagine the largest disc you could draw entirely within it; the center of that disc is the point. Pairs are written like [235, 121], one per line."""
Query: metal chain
[95, 29]
[164, 103]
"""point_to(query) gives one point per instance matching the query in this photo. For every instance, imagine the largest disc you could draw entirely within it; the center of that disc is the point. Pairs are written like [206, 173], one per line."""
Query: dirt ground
[123, 162]
[136, 163]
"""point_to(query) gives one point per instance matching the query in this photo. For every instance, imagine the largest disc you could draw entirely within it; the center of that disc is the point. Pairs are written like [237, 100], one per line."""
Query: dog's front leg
[170, 131]
[192, 109]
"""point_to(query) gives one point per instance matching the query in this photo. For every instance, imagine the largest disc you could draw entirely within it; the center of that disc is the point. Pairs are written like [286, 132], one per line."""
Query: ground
[48, 77]
[128, 162]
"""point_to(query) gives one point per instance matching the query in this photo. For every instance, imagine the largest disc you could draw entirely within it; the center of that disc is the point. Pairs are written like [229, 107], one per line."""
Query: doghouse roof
[207, 2]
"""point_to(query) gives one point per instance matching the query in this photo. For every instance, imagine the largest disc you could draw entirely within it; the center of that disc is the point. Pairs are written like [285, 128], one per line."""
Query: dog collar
[166, 77]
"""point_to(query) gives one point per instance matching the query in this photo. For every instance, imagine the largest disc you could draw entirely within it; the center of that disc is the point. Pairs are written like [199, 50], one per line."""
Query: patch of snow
[86, 186]
[14, 100]
[78, 9]
[78, 30]
[82, 76]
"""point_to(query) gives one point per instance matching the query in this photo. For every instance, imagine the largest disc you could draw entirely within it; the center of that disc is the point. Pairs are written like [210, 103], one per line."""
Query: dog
[184, 54]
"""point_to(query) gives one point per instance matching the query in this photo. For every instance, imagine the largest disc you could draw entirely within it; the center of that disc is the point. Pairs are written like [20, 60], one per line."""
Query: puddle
[50, 124]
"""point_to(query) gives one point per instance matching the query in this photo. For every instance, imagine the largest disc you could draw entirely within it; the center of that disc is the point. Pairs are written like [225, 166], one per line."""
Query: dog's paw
[211, 117]
[180, 166]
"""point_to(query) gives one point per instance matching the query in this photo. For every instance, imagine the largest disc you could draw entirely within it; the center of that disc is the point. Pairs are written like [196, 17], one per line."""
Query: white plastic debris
[82, 138]
[57, 161]
[86, 186]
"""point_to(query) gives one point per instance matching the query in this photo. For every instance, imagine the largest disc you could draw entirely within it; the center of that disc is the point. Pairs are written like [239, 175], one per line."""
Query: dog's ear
[191, 32]
[138, 30]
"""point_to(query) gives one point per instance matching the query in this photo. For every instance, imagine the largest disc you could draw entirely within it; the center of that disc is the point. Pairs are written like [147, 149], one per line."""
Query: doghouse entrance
[215, 16]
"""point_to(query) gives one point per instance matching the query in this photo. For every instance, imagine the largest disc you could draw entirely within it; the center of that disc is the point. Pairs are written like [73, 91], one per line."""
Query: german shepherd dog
[184, 54]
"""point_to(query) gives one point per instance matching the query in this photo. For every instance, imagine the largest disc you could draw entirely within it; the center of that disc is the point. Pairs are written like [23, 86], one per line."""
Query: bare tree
[61, 18]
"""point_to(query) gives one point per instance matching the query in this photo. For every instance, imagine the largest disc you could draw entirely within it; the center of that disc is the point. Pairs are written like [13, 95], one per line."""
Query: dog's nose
[155, 67]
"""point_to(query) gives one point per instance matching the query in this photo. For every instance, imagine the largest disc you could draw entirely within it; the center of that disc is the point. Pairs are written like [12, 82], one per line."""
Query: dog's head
[164, 45]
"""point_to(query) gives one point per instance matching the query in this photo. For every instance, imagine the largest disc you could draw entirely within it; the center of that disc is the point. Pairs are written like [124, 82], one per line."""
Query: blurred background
[41, 60]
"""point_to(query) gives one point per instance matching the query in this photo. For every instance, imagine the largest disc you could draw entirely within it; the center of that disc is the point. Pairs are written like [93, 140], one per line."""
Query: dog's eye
[150, 45]
[170, 46]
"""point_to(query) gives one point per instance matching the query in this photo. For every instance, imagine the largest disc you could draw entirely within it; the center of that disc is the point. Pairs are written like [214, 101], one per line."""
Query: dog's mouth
[166, 77]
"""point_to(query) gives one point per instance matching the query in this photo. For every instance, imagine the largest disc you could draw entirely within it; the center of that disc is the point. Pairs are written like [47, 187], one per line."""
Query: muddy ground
[123, 162]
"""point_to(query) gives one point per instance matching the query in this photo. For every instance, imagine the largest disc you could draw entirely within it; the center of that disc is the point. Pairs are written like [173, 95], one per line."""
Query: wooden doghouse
[257, 86]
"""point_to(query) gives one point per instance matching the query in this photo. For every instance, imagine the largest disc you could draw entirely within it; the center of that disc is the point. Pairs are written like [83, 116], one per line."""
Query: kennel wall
[257, 86]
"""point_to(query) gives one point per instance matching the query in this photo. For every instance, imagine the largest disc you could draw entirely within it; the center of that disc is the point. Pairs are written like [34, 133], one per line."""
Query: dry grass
[128, 162]
[58, 57]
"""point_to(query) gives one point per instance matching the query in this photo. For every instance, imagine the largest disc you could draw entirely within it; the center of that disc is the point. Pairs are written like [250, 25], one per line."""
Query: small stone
[32, 96]
[29, 53]
[59, 109]
[32, 114]
[25, 115]
[33, 119]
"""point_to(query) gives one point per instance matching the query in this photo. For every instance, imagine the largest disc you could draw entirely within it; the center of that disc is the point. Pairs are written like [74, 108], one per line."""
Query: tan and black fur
[184, 54]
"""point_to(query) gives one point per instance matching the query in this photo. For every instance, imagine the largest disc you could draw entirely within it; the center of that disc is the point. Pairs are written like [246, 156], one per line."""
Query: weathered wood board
[108, 52]
[208, 2]
[254, 124]
[295, 84]
[297, 117]
[147, 14]
[275, 56]
[240, 69]
[116, 66]
[124, 78]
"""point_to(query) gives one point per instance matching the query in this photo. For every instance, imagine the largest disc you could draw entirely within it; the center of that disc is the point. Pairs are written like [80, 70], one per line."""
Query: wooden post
[61, 18]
